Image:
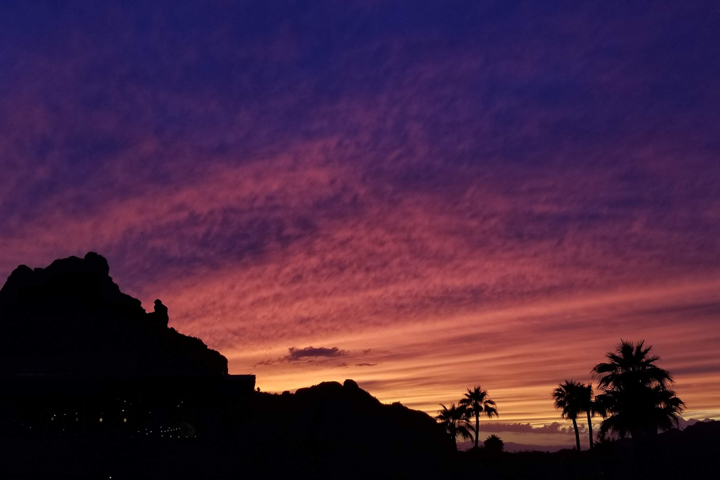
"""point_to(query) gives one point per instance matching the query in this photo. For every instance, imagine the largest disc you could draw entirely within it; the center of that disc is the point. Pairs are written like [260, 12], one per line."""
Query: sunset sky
[421, 196]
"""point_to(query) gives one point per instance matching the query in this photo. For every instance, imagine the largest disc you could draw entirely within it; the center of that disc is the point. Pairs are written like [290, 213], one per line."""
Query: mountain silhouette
[96, 387]
[110, 386]
[330, 430]
[70, 318]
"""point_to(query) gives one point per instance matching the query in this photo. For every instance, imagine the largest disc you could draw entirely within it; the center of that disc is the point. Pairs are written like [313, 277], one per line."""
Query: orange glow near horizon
[518, 353]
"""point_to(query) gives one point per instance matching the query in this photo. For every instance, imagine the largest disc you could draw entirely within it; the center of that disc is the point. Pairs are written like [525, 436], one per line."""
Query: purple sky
[422, 196]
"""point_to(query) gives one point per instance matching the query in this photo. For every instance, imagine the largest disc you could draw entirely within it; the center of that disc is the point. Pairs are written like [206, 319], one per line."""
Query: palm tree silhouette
[477, 402]
[568, 397]
[494, 444]
[454, 421]
[587, 405]
[637, 400]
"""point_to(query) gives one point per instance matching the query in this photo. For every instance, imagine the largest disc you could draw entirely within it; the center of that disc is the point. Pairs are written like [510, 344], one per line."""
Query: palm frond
[636, 397]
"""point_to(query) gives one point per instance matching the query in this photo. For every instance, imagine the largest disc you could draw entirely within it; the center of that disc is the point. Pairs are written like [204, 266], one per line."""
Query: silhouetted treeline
[463, 420]
[635, 397]
[688, 454]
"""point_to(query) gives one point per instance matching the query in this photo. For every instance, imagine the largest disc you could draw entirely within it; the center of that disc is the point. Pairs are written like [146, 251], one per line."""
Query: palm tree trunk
[590, 429]
[477, 428]
[577, 435]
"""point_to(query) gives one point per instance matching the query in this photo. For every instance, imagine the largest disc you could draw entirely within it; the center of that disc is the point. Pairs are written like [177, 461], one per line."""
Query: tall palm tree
[637, 400]
[454, 421]
[477, 402]
[587, 405]
[568, 397]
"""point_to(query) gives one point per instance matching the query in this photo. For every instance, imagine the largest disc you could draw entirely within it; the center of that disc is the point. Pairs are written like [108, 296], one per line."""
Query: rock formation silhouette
[334, 430]
[159, 316]
[95, 386]
[70, 318]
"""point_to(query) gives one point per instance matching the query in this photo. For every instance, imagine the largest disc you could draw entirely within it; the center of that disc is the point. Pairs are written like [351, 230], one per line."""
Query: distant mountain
[70, 318]
[519, 447]
[683, 424]
[513, 447]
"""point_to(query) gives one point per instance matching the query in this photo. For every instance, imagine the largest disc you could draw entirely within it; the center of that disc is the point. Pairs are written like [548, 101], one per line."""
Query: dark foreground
[326, 431]
[691, 454]
[284, 452]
